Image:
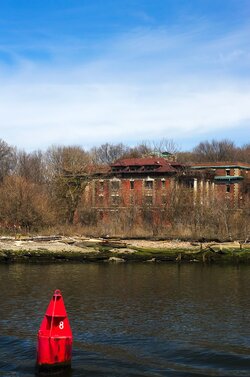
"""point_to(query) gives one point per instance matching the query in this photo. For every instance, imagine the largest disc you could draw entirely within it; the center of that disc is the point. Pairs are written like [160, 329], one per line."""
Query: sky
[87, 72]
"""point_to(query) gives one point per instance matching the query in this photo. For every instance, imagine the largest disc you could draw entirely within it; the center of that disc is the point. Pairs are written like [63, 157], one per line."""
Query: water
[131, 319]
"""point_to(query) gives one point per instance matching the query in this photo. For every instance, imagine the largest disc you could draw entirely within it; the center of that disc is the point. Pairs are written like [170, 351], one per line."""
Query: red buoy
[54, 343]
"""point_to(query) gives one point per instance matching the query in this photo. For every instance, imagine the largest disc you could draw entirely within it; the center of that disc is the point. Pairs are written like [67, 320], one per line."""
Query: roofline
[223, 164]
[228, 177]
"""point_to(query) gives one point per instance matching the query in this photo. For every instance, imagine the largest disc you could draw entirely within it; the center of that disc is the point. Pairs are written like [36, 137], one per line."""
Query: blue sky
[78, 72]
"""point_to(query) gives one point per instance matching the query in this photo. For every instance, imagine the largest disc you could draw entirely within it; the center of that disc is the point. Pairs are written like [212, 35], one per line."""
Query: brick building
[140, 182]
[156, 195]
[231, 180]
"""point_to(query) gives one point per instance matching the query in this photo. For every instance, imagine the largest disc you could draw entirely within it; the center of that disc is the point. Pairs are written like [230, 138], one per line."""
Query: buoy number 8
[61, 325]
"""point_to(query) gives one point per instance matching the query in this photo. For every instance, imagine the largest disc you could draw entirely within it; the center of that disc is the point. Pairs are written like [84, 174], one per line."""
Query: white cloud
[131, 93]
[41, 115]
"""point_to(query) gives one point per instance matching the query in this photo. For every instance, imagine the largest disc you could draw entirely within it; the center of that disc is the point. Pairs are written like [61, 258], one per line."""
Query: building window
[191, 184]
[149, 200]
[228, 188]
[227, 171]
[164, 199]
[132, 185]
[115, 185]
[148, 184]
[100, 200]
[163, 183]
[115, 200]
[101, 185]
[133, 168]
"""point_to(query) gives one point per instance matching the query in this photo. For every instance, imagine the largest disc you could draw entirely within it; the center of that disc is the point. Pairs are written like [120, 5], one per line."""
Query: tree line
[42, 190]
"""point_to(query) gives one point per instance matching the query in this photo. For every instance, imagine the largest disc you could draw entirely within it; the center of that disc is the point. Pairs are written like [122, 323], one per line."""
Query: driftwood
[43, 238]
[113, 244]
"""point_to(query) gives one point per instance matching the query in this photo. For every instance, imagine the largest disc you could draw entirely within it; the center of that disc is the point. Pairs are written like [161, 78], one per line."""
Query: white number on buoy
[61, 325]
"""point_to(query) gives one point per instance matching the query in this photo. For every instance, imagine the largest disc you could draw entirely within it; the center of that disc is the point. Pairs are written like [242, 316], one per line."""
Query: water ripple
[131, 320]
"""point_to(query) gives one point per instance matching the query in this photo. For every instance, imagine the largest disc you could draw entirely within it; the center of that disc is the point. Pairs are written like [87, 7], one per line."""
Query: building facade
[146, 183]
[231, 180]
[140, 182]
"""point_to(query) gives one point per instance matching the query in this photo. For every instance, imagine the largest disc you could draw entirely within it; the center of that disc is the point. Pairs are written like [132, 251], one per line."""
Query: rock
[123, 251]
[151, 260]
[116, 260]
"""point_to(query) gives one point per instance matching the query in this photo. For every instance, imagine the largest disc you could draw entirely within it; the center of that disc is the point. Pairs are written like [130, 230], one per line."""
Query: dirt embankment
[81, 249]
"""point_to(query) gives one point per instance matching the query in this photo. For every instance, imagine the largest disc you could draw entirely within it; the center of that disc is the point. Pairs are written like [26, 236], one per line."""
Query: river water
[131, 319]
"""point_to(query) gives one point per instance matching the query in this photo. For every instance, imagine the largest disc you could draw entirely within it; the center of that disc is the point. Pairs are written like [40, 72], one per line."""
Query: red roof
[146, 161]
[157, 164]
[221, 164]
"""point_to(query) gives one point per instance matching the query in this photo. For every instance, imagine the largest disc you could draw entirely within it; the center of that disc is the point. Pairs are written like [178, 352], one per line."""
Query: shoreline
[86, 250]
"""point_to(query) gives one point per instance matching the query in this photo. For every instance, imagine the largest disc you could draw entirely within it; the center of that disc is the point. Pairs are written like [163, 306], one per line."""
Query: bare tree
[7, 159]
[108, 153]
[31, 166]
[244, 153]
[140, 150]
[224, 150]
[68, 172]
[24, 204]
[186, 157]
[147, 148]
[164, 145]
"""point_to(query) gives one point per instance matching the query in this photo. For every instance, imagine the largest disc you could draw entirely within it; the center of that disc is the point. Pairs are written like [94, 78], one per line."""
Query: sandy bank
[58, 248]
